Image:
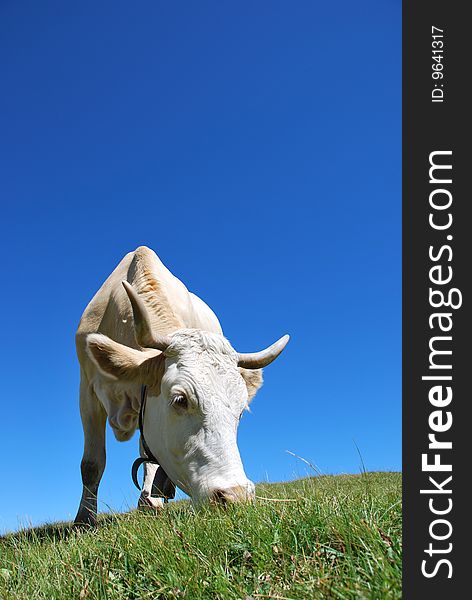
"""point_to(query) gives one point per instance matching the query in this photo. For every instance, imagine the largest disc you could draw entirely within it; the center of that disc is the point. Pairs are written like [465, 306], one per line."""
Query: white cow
[143, 327]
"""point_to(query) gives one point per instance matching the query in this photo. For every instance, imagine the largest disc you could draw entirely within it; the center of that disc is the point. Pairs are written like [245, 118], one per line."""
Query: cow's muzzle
[234, 494]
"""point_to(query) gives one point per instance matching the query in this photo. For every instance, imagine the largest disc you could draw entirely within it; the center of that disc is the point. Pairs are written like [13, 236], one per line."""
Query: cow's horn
[258, 360]
[142, 324]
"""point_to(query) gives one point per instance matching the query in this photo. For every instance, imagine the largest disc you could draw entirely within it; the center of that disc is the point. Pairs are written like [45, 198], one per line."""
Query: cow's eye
[180, 401]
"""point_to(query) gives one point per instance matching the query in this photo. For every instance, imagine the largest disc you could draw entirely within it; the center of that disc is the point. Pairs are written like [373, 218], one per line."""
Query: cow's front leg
[93, 460]
[146, 499]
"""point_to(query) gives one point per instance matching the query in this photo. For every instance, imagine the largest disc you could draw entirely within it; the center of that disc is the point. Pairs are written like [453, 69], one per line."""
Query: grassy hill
[323, 537]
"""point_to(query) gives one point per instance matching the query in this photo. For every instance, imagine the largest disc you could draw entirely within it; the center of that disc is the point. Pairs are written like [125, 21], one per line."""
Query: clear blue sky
[255, 146]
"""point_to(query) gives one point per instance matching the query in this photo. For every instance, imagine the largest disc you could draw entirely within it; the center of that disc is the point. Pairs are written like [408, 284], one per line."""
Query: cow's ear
[253, 380]
[115, 360]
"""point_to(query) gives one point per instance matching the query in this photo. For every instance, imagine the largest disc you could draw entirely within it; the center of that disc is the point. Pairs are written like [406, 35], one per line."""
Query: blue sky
[255, 146]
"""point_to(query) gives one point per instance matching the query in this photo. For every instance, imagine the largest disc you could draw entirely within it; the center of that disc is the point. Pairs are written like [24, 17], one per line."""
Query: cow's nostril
[219, 497]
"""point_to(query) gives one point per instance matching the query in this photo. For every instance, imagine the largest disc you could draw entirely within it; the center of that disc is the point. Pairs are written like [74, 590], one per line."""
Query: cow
[144, 328]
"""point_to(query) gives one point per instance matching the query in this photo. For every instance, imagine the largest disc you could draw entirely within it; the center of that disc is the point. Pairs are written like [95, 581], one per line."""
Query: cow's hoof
[150, 503]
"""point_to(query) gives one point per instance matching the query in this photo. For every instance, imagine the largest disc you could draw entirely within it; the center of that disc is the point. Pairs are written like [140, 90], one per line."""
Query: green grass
[335, 537]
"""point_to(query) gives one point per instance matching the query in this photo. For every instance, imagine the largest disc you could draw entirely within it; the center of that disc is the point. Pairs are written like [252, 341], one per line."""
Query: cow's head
[198, 389]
